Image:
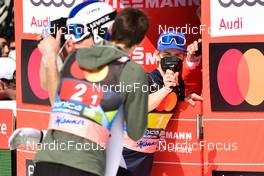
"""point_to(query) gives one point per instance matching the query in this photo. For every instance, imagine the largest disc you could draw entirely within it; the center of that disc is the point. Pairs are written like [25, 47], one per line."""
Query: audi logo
[56, 3]
[239, 3]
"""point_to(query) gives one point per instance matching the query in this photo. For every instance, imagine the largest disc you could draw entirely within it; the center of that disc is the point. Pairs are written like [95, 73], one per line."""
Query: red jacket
[192, 76]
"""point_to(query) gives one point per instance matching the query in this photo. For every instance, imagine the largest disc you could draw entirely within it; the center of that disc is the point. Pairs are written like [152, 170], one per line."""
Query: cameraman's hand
[170, 79]
[191, 49]
[192, 98]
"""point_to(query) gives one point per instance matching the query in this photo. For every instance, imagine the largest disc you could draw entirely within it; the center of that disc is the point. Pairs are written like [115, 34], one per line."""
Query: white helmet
[90, 18]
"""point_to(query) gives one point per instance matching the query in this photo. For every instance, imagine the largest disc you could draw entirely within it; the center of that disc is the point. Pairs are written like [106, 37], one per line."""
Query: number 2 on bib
[81, 92]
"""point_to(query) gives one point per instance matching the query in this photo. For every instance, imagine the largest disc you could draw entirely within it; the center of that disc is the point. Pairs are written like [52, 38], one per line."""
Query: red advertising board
[232, 83]
[32, 100]
[6, 127]
[176, 155]
[233, 105]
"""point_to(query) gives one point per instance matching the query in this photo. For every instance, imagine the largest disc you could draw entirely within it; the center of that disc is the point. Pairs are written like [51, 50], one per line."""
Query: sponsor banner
[234, 145]
[6, 127]
[179, 141]
[179, 150]
[9, 104]
[144, 55]
[236, 17]
[35, 16]
[176, 153]
[152, 4]
[235, 81]
[32, 92]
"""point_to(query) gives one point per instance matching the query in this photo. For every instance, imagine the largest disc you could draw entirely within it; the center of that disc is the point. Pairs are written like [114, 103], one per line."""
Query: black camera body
[199, 51]
[172, 63]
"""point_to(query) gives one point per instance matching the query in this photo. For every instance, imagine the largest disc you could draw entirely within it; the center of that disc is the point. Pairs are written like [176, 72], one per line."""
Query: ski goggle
[80, 31]
[170, 38]
[77, 32]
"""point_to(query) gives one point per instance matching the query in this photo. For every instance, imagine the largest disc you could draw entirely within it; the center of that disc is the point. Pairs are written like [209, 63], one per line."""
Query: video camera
[172, 63]
[199, 51]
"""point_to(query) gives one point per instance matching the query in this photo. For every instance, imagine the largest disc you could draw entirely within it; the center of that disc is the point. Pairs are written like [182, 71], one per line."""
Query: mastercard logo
[33, 73]
[240, 76]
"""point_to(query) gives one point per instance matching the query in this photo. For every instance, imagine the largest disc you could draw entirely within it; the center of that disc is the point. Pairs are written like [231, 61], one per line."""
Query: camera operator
[189, 64]
[169, 59]
[168, 89]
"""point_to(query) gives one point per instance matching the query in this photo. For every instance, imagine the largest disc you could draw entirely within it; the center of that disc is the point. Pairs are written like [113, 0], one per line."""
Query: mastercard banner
[236, 80]
[32, 92]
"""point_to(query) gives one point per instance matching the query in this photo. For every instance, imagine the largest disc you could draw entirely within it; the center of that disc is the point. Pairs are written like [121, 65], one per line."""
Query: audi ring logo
[56, 3]
[239, 3]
